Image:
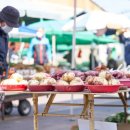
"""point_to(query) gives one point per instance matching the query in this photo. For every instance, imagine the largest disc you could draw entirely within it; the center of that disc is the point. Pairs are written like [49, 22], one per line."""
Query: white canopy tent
[39, 9]
[98, 20]
[80, 23]
[101, 19]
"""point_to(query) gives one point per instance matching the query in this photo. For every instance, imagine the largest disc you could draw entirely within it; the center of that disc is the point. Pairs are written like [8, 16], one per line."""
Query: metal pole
[74, 37]
[54, 50]
[73, 49]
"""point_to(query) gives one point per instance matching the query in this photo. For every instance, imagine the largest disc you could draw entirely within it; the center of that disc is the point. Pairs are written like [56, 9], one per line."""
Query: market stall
[101, 81]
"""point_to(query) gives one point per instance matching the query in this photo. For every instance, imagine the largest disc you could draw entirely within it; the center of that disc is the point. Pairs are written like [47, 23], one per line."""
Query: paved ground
[16, 122]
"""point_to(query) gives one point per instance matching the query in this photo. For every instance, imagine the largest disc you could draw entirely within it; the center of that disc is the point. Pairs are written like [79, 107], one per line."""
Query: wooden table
[88, 105]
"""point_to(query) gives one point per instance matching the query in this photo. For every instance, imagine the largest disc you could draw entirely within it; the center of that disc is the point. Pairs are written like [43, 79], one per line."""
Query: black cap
[10, 15]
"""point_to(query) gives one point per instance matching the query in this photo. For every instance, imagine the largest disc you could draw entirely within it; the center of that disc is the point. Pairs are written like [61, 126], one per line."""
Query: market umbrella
[21, 34]
[98, 20]
[17, 36]
[101, 19]
[24, 28]
[117, 21]
[48, 25]
[81, 38]
[80, 23]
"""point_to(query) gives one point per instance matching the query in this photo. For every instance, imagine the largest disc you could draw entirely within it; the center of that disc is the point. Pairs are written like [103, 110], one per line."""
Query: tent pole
[73, 50]
[74, 37]
[53, 50]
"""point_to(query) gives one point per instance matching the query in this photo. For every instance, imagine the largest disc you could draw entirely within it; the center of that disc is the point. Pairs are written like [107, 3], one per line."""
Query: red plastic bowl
[103, 88]
[39, 88]
[70, 88]
[14, 87]
[125, 82]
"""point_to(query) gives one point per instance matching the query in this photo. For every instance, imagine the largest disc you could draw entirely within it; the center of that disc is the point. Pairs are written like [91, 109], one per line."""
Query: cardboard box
[120, 126]
[75, 127]
[123, 126]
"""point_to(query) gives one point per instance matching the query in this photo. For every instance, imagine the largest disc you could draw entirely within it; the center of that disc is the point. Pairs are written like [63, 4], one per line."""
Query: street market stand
[88, 105]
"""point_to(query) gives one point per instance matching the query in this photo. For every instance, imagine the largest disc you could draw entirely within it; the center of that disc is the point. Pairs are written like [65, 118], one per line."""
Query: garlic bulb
[114, 82]
[62, 82]
[9, 82]
[105, 74]
[33, 82]
[18, 77]
[69, 76]
[100, 81]
[23, 82]
[39, 76]
[77, 81]
[48, 81]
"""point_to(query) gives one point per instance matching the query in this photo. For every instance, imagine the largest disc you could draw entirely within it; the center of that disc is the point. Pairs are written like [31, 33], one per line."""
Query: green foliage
[118, 118]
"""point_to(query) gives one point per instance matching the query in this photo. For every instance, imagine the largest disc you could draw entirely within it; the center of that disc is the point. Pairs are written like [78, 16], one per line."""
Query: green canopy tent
[64, 47]
[82, 38]
[104, 40]
[54, 28]
[65, 38]
[27, 40]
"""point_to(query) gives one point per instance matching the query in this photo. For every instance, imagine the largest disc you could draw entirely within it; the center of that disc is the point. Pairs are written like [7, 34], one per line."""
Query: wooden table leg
[124, 101]
[35, 105]
[84, 113]
[49, 103]
[2, 110]
[91, 111]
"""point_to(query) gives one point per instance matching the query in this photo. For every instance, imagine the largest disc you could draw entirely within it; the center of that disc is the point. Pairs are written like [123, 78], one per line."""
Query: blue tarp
[24, 28]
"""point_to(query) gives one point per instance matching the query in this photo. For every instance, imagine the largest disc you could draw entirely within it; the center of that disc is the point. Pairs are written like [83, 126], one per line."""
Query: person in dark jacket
[9, 18]
[127, 54]
[92, 59]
